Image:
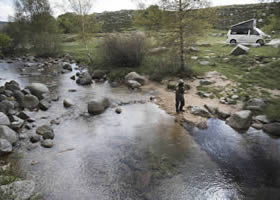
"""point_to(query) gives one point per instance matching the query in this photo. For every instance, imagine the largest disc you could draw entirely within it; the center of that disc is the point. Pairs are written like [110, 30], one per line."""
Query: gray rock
[17, 123]
[195, 110]
[67, 103]
[222, 114]
[30, 102]
[206, 82]
[4, 120]
[255, 104]
[98, 106]
[5, 147]
[3, 97]
[19, 190]
[273, 128]
[172, 85]
[35, 138]
[8, 134]
[44, 105]
[73, 77]
[133, 84]
[262, 118]
[211, 109]
[47, 143]
[240, 120]
[204, 62]
[12, 86]
[136, 77]
[240, 50]
[118, 110]
[84, 79]
[19, 96]
[98, 74]
[67, 67]
[257, 126]
[6, 106]
[38, 90]
[24, 115]
[45, 131]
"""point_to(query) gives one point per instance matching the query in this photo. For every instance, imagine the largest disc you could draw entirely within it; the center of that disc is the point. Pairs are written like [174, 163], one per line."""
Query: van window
[239, 32]
[254, 32]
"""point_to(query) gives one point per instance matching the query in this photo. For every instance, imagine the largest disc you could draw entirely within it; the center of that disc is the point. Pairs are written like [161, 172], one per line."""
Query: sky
[6, 6]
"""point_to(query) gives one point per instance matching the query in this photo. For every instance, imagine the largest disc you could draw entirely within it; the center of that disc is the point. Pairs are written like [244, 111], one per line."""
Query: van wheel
[261, 42]
[233, 42]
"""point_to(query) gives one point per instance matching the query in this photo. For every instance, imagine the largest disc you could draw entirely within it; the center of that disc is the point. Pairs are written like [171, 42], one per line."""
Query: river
[141, 154]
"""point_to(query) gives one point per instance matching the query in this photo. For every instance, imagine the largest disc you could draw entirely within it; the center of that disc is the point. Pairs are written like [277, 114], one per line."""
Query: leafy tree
[152, 18]
[34, 23]
[69, 23]
[5, 43]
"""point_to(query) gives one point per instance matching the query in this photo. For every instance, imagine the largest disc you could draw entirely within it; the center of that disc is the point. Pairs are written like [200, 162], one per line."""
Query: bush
[46, 44]
[124, 50]
[5, 43]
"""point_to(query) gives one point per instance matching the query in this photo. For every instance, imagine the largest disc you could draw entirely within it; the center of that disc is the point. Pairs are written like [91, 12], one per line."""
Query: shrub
[5, 43]
[124, 50]
[46, 44]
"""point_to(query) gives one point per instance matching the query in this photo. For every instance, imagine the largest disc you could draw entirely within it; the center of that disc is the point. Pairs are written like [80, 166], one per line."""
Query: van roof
[248, 24]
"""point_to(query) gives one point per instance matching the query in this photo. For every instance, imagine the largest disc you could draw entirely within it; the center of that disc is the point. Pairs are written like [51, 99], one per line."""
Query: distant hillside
[226, 16]
[2, 24]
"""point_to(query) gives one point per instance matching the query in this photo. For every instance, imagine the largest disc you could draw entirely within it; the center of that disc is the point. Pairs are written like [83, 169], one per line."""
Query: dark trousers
[180, 103]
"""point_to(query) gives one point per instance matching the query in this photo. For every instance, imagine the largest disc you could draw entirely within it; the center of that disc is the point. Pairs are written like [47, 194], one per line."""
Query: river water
[141, 154]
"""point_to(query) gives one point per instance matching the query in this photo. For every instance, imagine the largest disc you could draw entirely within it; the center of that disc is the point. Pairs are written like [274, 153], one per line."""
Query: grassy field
[260, 68]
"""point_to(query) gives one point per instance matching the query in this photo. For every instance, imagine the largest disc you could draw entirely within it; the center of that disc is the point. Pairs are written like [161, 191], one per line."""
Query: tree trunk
[181, 33]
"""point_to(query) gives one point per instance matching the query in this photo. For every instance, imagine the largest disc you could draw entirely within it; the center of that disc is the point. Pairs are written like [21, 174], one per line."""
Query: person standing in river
[180, 99]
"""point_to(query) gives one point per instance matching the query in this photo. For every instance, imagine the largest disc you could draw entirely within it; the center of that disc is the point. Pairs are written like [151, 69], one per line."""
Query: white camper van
[246, 33]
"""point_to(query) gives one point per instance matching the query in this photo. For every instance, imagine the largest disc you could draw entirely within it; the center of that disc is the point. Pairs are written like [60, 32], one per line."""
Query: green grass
[272, 110]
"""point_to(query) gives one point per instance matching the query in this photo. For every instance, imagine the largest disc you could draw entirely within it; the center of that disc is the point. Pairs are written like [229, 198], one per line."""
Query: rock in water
[67, 67]
[30, 102]
[133, 84]
[45, 131]
[136, 77]
[98, 74]
[38, 89]
[273, 129]
[35, 138]
[67, 103]
[118, 110]
[5, 147]
[44, 105]
[8, 134]
[240, 120]
[240, 50]
[47, 143]
[98, 107]
[84, 79]
[19, 190]
[4, 120]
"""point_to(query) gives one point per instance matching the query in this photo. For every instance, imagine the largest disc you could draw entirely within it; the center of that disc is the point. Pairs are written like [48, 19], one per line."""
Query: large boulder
[4, 120]
[98, 106]
[255, 104]
[136, 77]
[12, 86]
[240, 120]
[195, 110]
[240, 50]
[38, 89]
[84, 79]
[67, 66]
[8, 134]
[45, 131]
[6, 106]
[5, 147]
[133, 84]
[99, 74]
[19, 190]
[30, 102]
[273, 128]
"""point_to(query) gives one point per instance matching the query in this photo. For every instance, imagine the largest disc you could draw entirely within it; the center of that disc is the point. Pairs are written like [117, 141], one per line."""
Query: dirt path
[166, 98]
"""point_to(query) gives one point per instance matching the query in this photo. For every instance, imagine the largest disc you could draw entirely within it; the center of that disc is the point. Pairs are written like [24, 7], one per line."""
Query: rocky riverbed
[68, 133]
